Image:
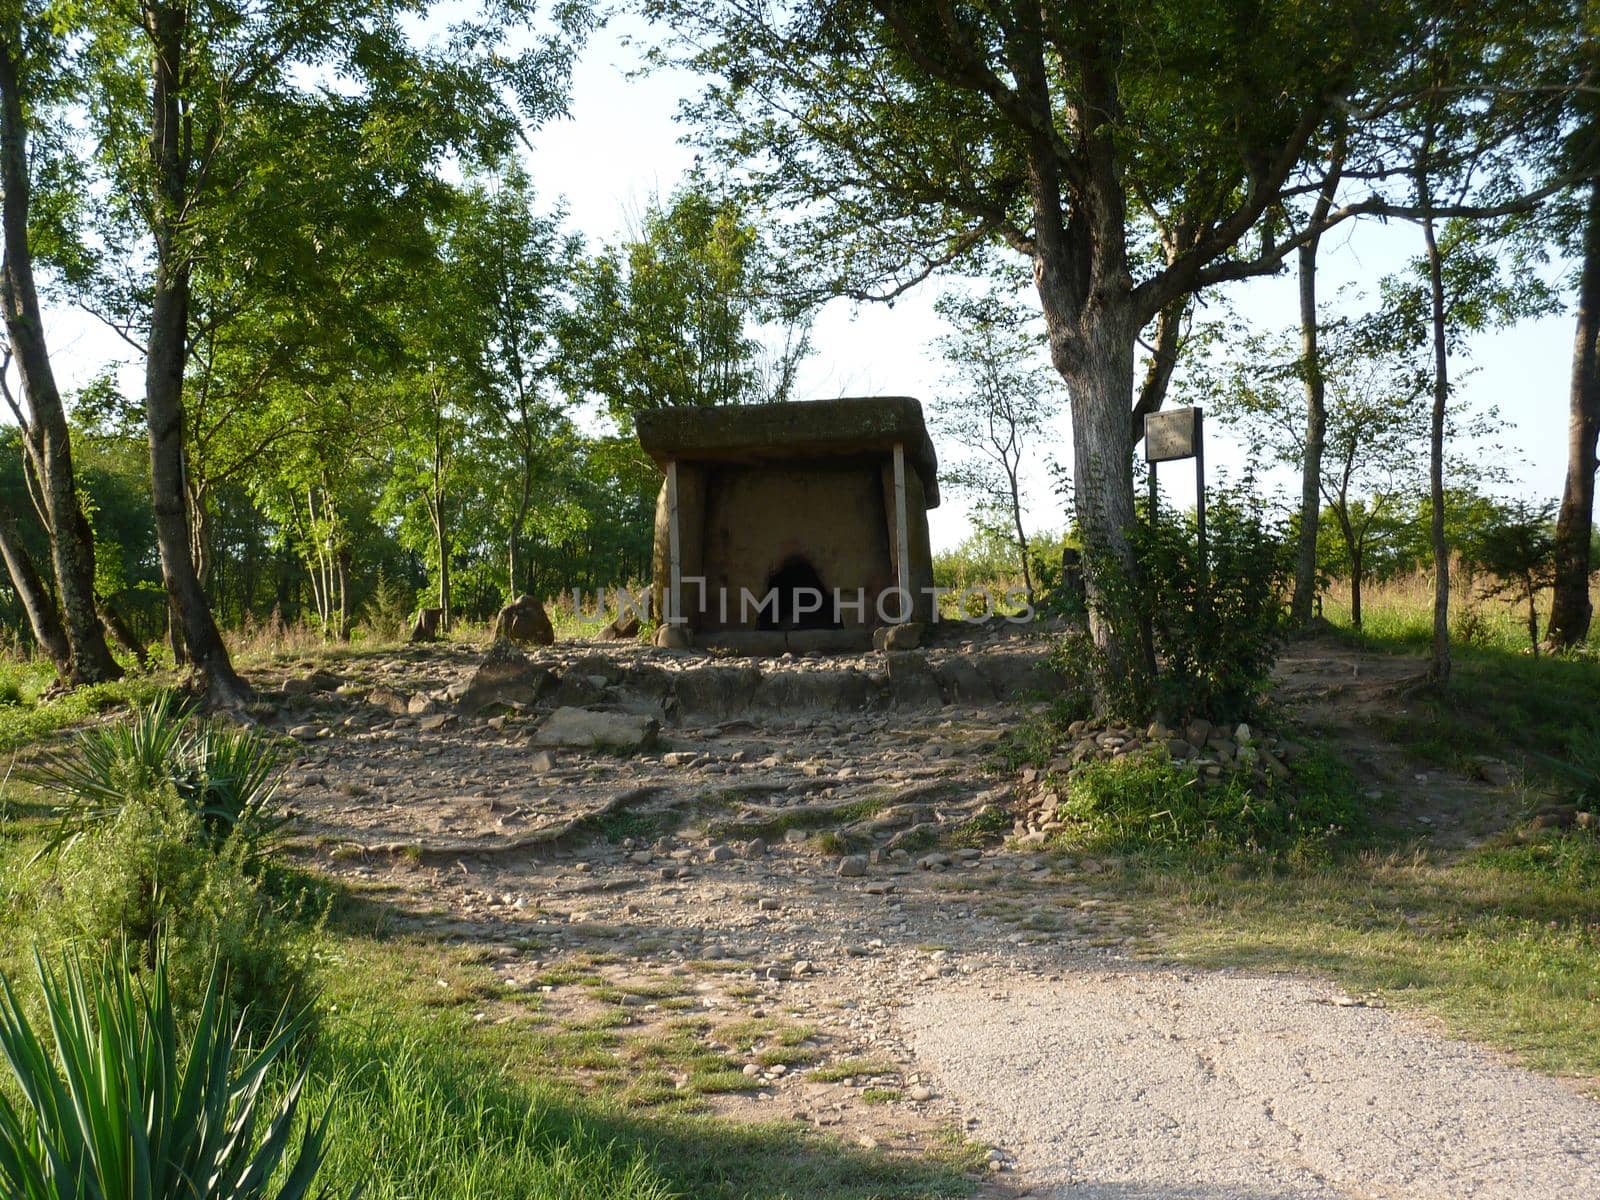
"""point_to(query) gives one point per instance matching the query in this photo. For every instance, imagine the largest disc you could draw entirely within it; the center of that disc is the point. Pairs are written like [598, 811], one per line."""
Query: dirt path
[1122, 1083]
[695, 889]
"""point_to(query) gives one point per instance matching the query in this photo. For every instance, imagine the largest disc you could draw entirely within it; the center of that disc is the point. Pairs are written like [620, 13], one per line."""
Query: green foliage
[149, 877]
[225, 776]
[1518, 551]
[118, 1102]
[671, 316]
[1150, 803]
[1215, 625]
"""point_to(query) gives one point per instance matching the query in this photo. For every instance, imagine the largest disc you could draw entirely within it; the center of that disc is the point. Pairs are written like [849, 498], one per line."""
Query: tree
[1518, 550]
[1458, 287]
[671, 315]
[511, 266]
[225, 83]
[1571, 609]
[999, 401]
[29, 48]
[906, 136]
[1373, 427]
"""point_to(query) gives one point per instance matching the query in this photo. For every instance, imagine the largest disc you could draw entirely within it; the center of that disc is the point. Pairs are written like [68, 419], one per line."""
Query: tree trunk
[43, 618]
[1022, 538]
[47, 436]
[1439, 664]
[164, 364]
[122, 633]
[1305, 564]
[1357, 569]
[1572, 610]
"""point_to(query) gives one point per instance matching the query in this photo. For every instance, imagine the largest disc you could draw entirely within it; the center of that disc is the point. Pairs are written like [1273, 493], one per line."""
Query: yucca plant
[125, 1106]
[228, 776]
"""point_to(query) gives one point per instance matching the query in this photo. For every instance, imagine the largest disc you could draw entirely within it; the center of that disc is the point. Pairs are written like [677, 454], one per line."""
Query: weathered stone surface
[824, 691]
[716, 692]
[426, 626]
[590, 728]
[524, 622]
[912, 682]
[963, 682]
[507, 678]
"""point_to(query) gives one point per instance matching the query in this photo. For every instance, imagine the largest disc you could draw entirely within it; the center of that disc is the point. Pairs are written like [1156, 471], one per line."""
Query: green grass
[434, 1104]
[30, 719]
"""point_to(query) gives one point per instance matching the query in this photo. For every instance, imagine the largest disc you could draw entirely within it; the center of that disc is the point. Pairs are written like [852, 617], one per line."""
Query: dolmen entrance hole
[802, 601]
[760, 504]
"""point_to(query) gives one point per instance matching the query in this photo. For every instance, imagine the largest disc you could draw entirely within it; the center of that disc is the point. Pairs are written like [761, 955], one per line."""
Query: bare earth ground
[987, 990]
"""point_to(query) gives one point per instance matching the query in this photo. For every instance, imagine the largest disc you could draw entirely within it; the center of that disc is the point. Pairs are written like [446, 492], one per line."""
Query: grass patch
[1147, 803]
[853, 1068]
[880, 1096]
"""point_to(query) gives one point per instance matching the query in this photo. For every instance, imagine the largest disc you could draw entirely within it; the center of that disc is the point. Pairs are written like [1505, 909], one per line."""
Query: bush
[126, 1106]
[1215, 626]
[149, 877]
[1148, 802]
[226, 777]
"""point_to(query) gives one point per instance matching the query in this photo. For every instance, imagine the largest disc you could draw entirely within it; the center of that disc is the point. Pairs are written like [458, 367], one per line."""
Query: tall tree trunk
[1572, 610]
[1439, 663]
[164, 365]
[1304, 598]
[43, 618]
[47, 436]
[1305, 563]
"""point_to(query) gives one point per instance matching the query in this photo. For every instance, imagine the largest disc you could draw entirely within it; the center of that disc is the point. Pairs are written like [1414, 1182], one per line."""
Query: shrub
[118, 1103]
[1148, 802]
[1215, 625]
[227, 777]
[148, 877]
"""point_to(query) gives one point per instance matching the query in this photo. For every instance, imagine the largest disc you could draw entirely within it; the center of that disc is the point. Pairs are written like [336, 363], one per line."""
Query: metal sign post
[1170, 436]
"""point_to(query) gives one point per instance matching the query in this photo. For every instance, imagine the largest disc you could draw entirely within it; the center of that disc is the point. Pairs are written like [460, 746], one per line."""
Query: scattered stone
[852, 866]
[920, 1092]
[721, 854]
[389, 700]
[435, 722]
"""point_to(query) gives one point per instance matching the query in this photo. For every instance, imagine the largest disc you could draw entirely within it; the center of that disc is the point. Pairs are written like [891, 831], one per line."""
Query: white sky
[622, 146]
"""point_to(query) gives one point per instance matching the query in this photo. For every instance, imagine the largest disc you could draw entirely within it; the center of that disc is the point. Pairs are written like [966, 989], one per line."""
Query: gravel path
[1154, 1085]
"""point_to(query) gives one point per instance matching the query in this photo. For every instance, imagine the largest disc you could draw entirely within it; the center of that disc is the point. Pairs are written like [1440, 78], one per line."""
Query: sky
[622, 146]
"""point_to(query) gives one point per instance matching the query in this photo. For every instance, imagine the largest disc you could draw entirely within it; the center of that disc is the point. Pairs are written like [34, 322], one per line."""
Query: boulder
[963, 682]
[912, 683]
[389, 700]
[524, 622]
[907, 636]
[505, 679]
[426, 626]
[674, 637]
[622, 629]
[587, 728]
